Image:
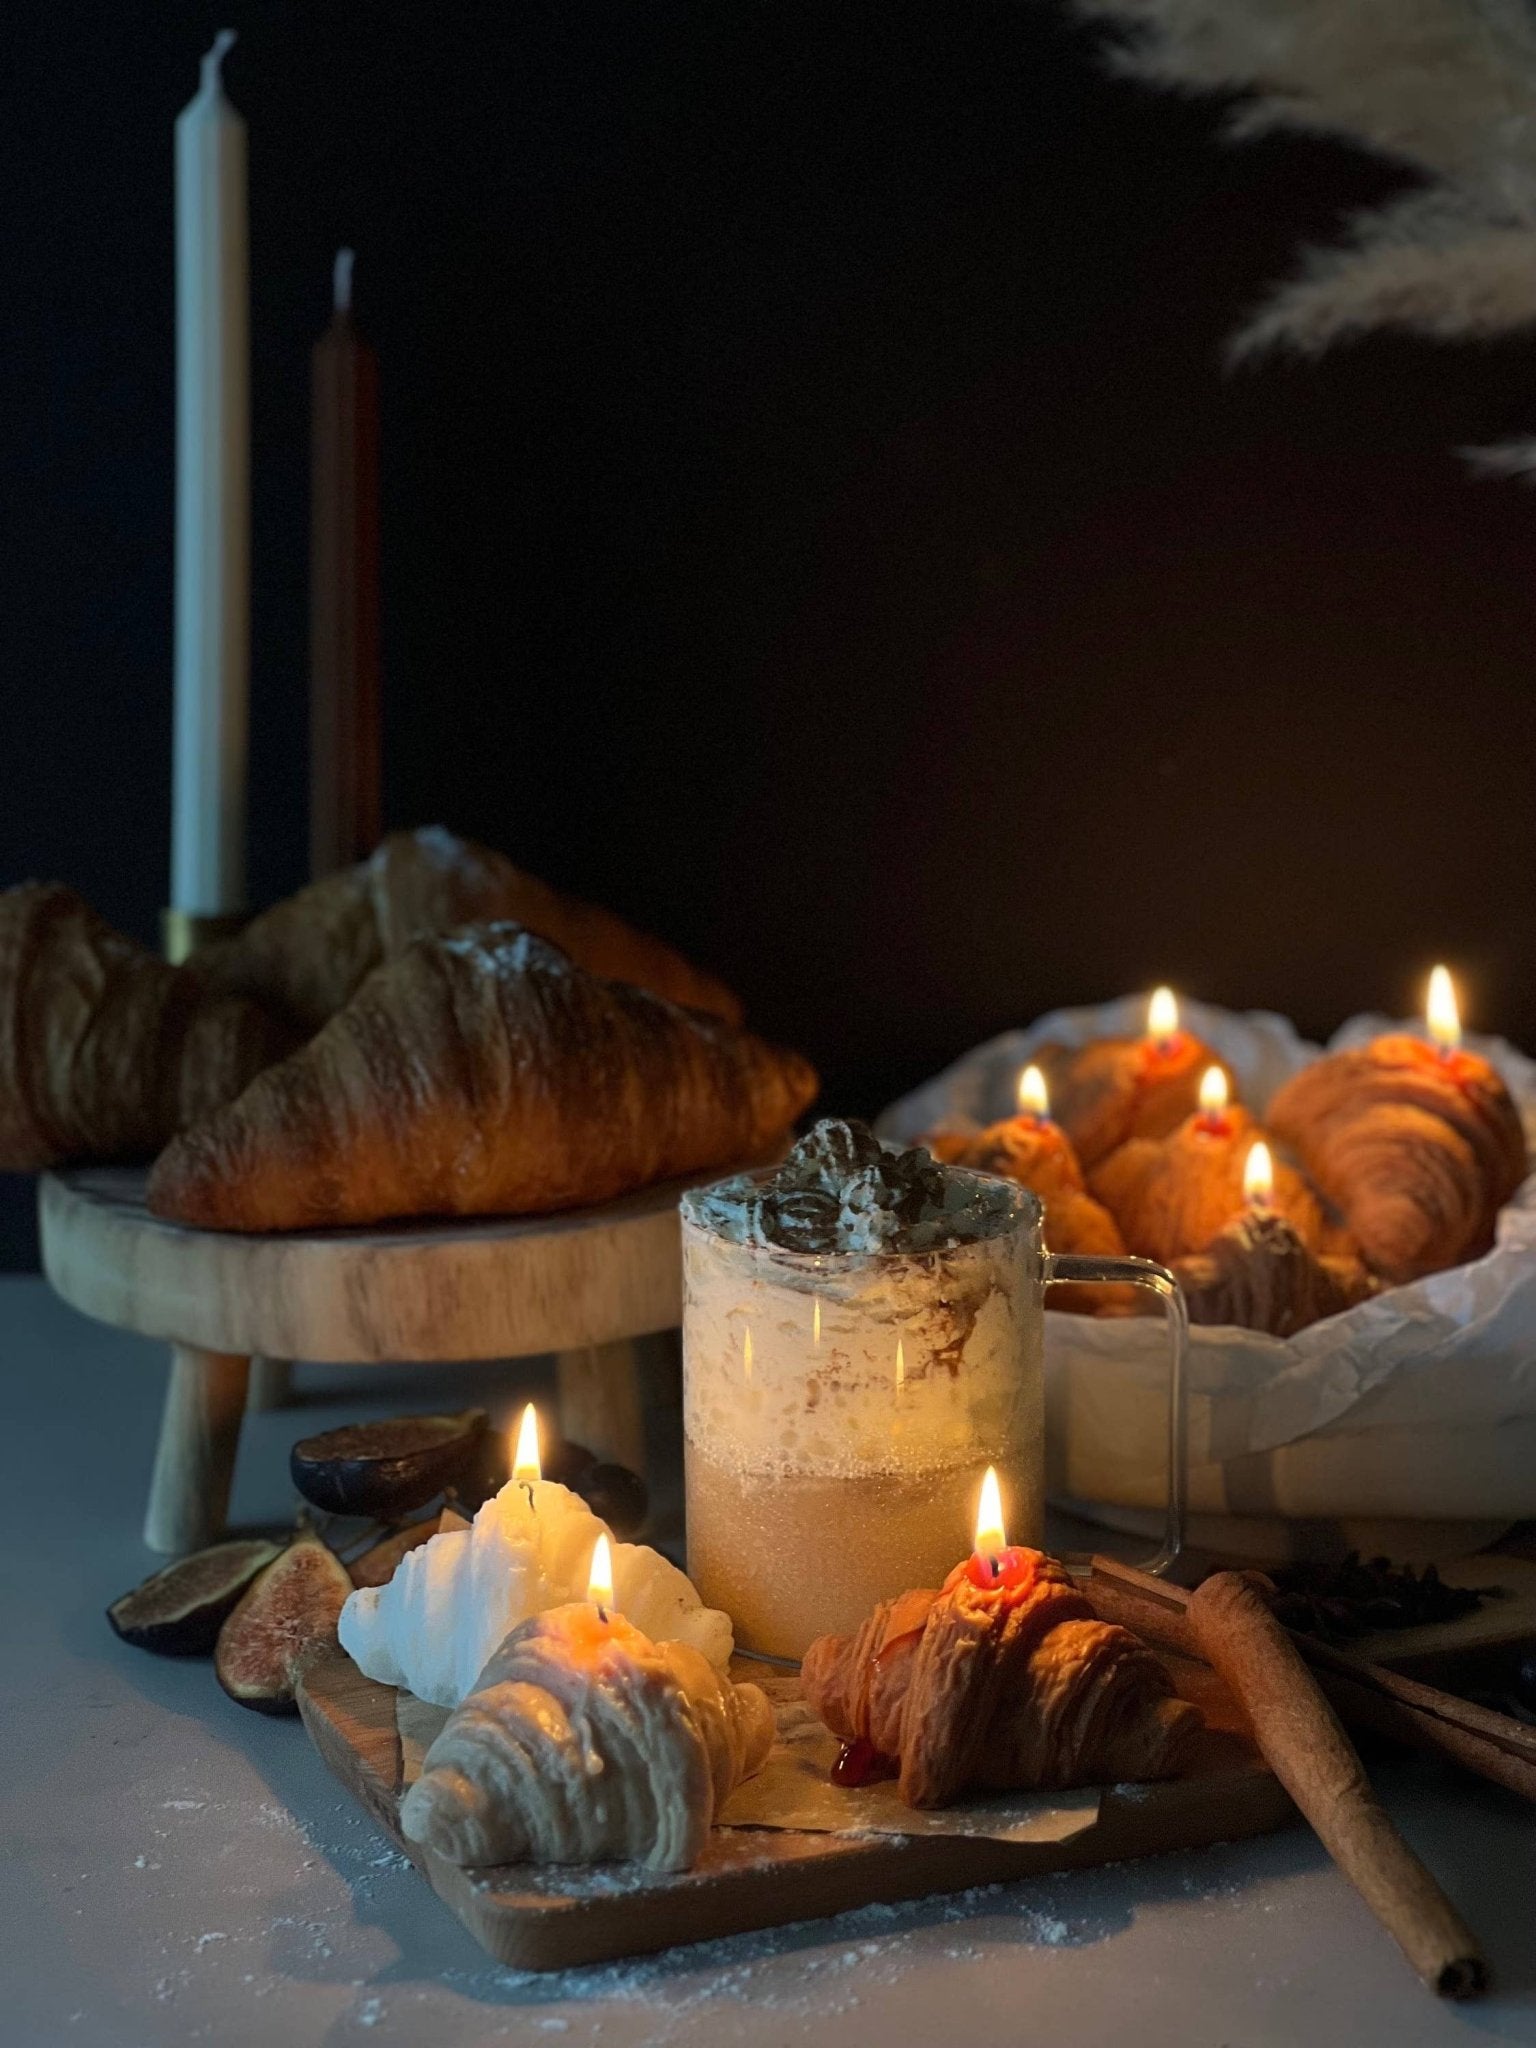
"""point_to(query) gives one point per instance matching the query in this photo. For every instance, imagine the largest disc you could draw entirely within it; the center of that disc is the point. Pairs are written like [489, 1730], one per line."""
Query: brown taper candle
[345, 800]
[1308, 1751]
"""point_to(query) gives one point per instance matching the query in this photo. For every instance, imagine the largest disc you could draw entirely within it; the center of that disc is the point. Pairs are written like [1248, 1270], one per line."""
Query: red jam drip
[991, 1570]
[860, 1763]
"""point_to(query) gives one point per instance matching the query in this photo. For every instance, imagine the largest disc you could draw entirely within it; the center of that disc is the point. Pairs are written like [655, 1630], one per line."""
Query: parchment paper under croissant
[310, 953]
[1000, 1689]
[482, 1074]
[1418, 1150]
[105, 1051]
[585, 1742]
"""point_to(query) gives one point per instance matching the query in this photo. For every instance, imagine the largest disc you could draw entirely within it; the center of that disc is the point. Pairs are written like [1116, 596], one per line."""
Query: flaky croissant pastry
[1171, 1196]
[1015, 1687]
[585, 1742]
[105, 1050]
[310, 953]
[1258, 1274]
[1418, 1150]
[482, 1074]
[1115, 1089]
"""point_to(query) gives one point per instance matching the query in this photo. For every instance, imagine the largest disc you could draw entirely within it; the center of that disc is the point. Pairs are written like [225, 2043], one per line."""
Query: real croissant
[585, 1742]
[1418, 1151]
[482, 1074]
[105, 1050]
[1009, 1688]
[310, 953]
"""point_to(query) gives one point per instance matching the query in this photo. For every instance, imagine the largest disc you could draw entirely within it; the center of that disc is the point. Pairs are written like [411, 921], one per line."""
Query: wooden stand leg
[271, 1384]
[600, 1401]
[195, 1462]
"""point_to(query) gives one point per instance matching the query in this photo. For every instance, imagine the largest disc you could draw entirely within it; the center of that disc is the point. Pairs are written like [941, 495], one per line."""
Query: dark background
[816, 522]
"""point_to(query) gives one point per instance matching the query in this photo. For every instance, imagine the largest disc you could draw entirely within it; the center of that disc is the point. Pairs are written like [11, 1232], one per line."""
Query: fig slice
[385, 1469]
[289, 1606]
[177, 1611]
[376, 1566]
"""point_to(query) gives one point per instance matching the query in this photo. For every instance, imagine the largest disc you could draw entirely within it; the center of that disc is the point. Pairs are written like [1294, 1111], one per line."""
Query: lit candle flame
[1213, 1091]
[1034, 1097]
[1258, 1176]
[990, 1538]
[1162, 1015]
[525, 1459]
[1443, 1017]
[746, 1353]
[600, 1578]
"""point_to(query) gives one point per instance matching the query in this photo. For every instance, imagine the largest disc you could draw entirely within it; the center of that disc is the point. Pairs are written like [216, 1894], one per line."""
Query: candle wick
[223, 42]
[341, 279]
[602, 1615]
[527, 1486]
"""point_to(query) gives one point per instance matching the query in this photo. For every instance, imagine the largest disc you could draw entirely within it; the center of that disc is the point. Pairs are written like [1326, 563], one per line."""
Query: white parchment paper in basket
[1454, 1353]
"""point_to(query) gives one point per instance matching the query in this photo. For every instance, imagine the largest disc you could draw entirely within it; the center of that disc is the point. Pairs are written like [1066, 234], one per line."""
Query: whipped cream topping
[840, 1189]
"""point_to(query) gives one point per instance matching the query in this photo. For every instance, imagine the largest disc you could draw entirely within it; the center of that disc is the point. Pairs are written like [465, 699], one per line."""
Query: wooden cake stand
[581, 1285]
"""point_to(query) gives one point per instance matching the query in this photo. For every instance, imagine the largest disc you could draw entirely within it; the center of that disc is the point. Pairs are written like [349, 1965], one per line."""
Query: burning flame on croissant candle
[1213, 1100]
[1163, 1016]
[600, 1577]
[526, 1465]
[993, 1564]
[1441, 1012]
[1034, 1099]
[1258, 1177]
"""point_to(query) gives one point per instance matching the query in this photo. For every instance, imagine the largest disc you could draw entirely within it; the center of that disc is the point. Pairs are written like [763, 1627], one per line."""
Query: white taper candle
[212, 501]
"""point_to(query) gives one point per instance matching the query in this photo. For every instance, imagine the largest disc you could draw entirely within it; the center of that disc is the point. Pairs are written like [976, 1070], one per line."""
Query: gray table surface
[177, 1869]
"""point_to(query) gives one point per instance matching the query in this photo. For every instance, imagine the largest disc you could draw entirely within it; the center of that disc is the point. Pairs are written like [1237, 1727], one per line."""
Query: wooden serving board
[454, 1288]
[548, 1918]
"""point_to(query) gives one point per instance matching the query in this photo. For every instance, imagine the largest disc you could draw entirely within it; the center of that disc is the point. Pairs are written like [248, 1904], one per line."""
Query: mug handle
[1159, 1281]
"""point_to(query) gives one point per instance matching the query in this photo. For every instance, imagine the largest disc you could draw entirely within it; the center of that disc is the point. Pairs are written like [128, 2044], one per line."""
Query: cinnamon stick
[1307, 1749]
[1364, 1695]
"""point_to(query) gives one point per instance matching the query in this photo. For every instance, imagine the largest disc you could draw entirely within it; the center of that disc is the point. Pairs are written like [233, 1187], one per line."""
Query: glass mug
[840, 1410]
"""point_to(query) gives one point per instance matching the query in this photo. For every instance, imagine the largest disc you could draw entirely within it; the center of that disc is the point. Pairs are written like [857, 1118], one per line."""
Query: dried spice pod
[385, 1469]
[376, 1566]
[291, 1605]
[179, 1610]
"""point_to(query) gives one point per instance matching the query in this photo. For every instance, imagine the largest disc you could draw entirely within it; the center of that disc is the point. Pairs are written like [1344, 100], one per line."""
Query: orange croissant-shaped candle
[1033, 1149]
[1116, 1089]
[1417, 1144]
[1170, 1197]
[1003, 1680]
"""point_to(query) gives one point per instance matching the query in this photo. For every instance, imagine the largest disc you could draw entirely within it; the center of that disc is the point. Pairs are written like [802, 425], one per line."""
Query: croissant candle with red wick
[1001, 1681]
[1259, 1274]
[1416, 1143]
[1171, 1197]
[1033, 1149]
[1120, 1088]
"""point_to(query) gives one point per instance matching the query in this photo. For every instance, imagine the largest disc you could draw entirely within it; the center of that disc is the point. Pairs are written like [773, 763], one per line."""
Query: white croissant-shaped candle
[454, 1599]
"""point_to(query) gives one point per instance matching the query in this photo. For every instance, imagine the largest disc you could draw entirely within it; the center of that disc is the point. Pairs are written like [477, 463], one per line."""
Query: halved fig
[376, 1566]
[385, 1469]
[615, 1495]
[292, 1604]
[178, 1611]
